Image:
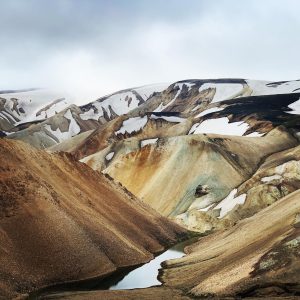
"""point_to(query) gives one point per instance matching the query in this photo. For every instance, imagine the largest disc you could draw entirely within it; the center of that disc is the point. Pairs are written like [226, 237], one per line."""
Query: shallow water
[146, 275]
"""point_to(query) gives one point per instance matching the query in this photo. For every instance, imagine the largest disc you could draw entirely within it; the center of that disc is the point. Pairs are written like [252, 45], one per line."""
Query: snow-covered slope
[196, 107]
[18, 107]
[119, 103]
[224, 91]
[55, 124]
[56, 129]
[270, 88]
[73, 128]
[189, 96]
[220, 126]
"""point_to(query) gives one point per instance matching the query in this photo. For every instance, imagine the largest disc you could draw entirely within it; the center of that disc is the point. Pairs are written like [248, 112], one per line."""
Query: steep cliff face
[61, 221]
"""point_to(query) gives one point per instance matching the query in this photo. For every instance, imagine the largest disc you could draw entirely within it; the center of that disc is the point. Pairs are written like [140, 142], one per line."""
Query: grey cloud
[94, 47]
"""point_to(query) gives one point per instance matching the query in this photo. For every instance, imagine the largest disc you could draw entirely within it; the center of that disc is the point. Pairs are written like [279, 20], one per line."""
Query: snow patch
[295, 106]
[206, 208]
[122, 102]
[162, 107]
[230, 202]
[43, 100]
[261, 88]
[132, 125]
[280, 169]
[90, 115]
[220, 126]
[6, 116]
[169, 118]
[61, 136]
[110, 155]
[285, 167]
[147, 90]
[193, 128]
[224, 91]
[73, 130]
[188, 84]
[195, 108]
[255, 134]
[148, 142]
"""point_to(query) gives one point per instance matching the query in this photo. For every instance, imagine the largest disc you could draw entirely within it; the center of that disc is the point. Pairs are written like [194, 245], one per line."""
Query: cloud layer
[91, 48]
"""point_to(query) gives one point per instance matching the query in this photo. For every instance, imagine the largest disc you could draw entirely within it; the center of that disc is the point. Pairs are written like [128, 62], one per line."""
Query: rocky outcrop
[61, 221]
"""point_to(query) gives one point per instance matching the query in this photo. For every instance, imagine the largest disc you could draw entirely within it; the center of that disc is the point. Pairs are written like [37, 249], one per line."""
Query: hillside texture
[61, 221]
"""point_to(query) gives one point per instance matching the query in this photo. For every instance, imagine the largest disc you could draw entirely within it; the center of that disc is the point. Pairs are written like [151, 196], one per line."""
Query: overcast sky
[94, 47]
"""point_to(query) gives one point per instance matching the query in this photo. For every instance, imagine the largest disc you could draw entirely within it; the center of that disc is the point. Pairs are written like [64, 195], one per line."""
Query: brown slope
[61, 221]
[257, 257]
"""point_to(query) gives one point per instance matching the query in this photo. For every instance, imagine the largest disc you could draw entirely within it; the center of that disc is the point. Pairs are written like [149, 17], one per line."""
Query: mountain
[19, 107]
[29, 117]
[61, 221]
[192, 100]
[194, 107]
[150, 151]
[119, 103]
[192, 161]
[218, 157]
